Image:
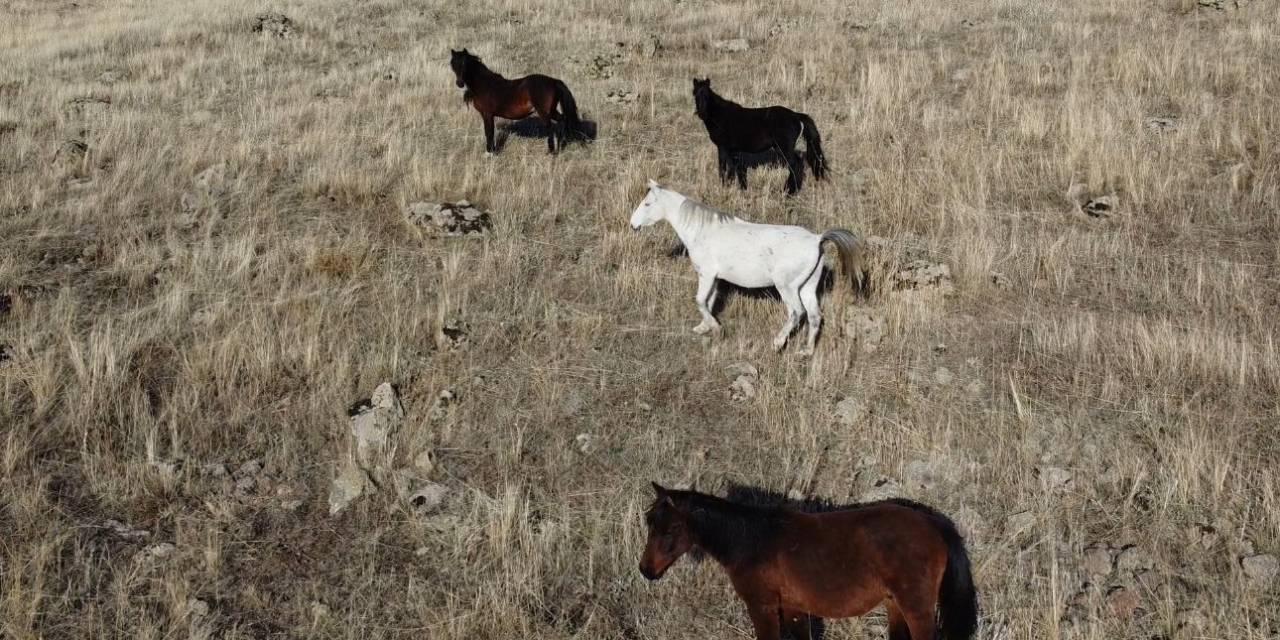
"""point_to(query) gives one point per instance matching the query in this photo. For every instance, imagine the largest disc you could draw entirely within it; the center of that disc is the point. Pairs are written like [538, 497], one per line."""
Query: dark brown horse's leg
[798, 625]
[898, 629]
[726, 173]
[489, 146]
[795, 168]
[739, 169]
[765, 621]
[920, 618]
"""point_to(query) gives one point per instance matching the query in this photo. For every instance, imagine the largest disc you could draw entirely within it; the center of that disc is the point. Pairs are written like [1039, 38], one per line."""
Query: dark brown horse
[787, 565]
[495, 96]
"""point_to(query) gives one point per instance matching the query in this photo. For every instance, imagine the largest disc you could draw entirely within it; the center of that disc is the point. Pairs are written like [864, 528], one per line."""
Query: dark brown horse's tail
[957, 599]
[813, 147]
[570, 109]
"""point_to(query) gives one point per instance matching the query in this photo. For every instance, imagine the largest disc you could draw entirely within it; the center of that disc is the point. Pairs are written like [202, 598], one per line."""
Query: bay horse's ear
[658, 489]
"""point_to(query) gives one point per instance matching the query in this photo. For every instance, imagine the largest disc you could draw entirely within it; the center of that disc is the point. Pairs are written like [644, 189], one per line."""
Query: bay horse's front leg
[800, 625]
[706, 297]
[489, 145]
[766, 623]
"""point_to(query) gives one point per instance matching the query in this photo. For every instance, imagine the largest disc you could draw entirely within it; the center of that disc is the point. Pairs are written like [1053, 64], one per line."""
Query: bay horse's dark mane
[476, 67]
[746, 521]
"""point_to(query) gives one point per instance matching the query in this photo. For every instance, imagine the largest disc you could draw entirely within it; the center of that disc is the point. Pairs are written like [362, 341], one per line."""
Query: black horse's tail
[570, 109]
[813, 143]
[957, 598]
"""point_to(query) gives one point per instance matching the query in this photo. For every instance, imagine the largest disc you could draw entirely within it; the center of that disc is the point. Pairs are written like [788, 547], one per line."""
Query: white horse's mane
[698, 214]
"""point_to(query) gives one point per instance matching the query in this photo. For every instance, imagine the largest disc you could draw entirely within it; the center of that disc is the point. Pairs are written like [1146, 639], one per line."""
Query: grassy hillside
[205, 260]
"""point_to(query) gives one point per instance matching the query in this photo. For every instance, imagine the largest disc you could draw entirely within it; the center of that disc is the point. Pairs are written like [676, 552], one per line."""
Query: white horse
[725, 247]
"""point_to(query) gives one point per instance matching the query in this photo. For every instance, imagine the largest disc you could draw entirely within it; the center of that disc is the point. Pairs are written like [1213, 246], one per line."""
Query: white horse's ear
[653, 185]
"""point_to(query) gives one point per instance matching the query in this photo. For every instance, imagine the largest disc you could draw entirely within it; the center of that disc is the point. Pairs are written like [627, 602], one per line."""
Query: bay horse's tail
[853, 254]
[570, 108]
[957, 598]
[813, 147]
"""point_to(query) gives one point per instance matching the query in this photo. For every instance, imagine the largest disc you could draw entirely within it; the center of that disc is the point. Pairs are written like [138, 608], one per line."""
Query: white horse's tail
[853, 254]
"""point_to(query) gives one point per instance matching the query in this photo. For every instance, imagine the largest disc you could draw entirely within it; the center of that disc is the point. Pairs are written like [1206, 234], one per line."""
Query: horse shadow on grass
[534, 128]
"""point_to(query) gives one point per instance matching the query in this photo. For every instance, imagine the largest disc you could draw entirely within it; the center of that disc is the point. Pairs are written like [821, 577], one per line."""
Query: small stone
[445, 399]
[1160, 124]
[999, 280]
[644, 406]
[156, 551]
[72, 150]
[651, 47]
[621, 97]
[585, 442]
[346, 488]
[867, 329]
[1055, 479]
[1132, 560]
[1097, 561]
[850, 411]
[457, 219]
[1261, 568]
[1019, 522]
[883, 489]
[428, 498]
[425, 462]
[1102, 206]
[1204, 536]
[89, 106]
[6, 353]
[197, 608]
[319, 610]
[452, 334]
[1078, 195]
[742, 389]
[733, 45]
[125, 531]
[373, 421]
[943, 376]
[274, 24]
[923, 276]
[214, 470]
[1122, 602]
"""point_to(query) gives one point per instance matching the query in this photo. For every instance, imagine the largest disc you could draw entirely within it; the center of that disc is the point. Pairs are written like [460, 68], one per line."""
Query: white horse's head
[654, 206]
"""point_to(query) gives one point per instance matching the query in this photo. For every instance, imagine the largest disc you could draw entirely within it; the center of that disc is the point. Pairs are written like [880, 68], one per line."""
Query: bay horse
[495, 96]
[751, 255]
[787, 565]
[738, 130]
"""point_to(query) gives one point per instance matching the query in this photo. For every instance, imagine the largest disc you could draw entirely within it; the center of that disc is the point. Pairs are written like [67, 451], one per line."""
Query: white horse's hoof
[490, 154]
[778, 346]
[705, 328]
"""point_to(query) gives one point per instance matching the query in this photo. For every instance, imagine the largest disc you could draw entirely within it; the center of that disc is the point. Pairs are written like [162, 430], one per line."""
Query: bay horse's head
[702, 95]
[669, 534]
[459, 61]
[651, 209]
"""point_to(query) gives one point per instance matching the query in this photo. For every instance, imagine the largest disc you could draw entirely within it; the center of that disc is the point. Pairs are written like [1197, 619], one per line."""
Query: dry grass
[1139, 352]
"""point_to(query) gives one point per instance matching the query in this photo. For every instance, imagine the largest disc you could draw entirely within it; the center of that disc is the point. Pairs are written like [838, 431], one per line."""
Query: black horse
[738, 130]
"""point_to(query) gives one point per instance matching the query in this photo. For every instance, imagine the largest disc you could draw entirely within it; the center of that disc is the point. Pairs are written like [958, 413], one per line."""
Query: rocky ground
[282, 353]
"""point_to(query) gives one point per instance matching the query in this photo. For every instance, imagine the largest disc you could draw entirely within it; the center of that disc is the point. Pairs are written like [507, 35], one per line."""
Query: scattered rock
[197, 608]
[1132, 560]
[850, 411]
[450, 219]
[883, 489]
[1160, 124]
[644, 406]
[999, 280]
[744, 378]
[855, 25]
[166, 468]
[214, 470]
[1204, 536]
[1102, 206]
[1122, 602]
[1019, 522]
[72, 150]
[156, 551]
[425, 462]
[445, 399]
[7, 127]
[1078, 194]
[347, 488]
[6, 353]
[601, 66]
[208, 188]
[943, 376]
[274, 24]
[867, 329]
[1261, 568]
[1055, 479]
[111, 76]
[651, 47]
[621, 97]
[1223, 5]
[88, 106]
[452, 334]
[319, 610]
[733, 45]
[924, 276]
[429, 498]
[1241, 177]
[586, 443]
[924, 475]
[1097, 561]
[372, 422]
[124, 531]
[782, 26]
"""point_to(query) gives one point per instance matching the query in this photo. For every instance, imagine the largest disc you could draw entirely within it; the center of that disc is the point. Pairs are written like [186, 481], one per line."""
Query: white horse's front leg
[706, 299]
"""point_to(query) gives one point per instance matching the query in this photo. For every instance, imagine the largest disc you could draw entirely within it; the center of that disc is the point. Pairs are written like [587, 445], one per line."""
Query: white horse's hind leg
[791, 297]
[809, 298]
[706, 298]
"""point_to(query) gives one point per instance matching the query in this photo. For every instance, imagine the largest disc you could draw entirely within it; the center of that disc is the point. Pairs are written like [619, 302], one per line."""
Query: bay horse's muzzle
[648, 573]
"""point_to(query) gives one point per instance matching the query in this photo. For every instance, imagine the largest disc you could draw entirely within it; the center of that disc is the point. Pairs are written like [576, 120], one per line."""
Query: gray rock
[444, 400]
[1097, 561]
[1132, 560]
[744, 378]
[372, 423]
[348, 487]
[651, 47]
[883, 489]
[1019, 522]
[943, 376]
[126, 532]
[429, 498]
[867, 329]
[197, 608]
[586, 443]
[1102, 206]
[1160, 124]
[621, 97]
[449, 219]
[850, 411]
[1055, 479]
[1261, 568]
[425, 462]
[156, 551]
[72, 150]
[1123, 602]
[923, 276]
[89, 106]
[274, 24]
[733, 45]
